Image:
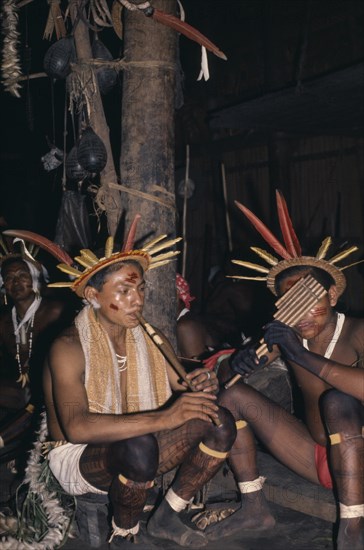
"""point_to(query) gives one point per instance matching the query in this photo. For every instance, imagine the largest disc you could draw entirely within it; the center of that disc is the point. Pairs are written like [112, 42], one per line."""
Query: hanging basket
[106, 76]
[74, 170]
[92, 153]
[58, 58]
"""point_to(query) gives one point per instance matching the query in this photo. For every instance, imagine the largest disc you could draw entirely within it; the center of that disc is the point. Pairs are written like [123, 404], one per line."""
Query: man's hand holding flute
[203, 380]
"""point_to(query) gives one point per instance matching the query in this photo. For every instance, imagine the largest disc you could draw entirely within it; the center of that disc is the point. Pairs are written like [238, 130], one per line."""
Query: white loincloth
[64, 462]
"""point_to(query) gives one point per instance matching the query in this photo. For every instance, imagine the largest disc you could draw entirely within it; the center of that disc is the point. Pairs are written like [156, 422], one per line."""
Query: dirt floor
[294, 530]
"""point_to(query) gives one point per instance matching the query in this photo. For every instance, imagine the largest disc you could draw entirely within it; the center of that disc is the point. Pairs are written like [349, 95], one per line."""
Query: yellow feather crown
[291, 252]
[148, 256]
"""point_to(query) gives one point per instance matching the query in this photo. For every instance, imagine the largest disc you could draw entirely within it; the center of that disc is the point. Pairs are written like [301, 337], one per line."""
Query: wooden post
[147, 147]
[112, 200]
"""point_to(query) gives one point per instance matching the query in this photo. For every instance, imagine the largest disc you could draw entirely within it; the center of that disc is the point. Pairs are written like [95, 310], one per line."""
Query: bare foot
[254, 514]
[351, 534]
[166, 524]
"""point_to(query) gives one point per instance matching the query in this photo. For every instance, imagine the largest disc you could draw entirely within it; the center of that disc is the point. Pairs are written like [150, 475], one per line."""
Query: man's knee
[338, 409]
[137, 458]
[223, 436]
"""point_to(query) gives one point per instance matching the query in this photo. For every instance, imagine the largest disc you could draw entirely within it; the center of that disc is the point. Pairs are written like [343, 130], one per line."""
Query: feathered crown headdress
[145, 256]
[26, 253]
[291, 252]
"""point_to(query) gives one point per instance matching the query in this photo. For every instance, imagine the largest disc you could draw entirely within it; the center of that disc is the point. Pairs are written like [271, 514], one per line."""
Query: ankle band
[120, 532]
[251, 486]
[176, 503]
[354, 511]
[140, 484]
[212, 452]
[240, 424]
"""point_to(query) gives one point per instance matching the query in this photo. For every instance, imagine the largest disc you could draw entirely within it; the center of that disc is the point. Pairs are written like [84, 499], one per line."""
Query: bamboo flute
[292, 307]
[171, 358]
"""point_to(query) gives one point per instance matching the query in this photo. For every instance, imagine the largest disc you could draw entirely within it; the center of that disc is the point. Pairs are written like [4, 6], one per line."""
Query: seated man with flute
[325, 351]
[118, 414]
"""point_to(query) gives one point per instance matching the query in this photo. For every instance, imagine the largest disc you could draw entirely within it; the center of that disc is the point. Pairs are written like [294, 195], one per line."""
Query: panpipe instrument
[168, 354]
[291, 308]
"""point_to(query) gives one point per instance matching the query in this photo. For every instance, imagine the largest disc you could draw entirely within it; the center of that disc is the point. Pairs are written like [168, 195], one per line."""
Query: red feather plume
[289, 235]
[186, 29]
[130, 238]
[41, 241]
[264, 231]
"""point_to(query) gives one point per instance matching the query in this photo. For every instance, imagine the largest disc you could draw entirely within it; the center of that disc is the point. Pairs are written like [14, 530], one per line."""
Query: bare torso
[349, 350]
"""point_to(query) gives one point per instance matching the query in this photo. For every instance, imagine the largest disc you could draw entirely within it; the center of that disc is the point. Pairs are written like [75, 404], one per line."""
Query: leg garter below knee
[240, 424]
[139, 484]
[217, 454]
[354, 511]
[339, 437]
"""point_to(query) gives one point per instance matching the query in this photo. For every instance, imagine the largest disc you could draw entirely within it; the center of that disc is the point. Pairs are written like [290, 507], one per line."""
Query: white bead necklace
[340, 318]
[121, 360]
[24, 369]
[21, 329]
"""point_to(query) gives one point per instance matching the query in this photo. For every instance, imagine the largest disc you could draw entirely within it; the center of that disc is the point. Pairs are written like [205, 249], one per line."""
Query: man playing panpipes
[118, 415]
[325, 351]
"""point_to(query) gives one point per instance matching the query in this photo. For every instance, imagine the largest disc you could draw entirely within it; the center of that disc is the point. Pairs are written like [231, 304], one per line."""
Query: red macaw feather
[186, 29]
[264, 231]
[130, 238]
[289, 235]
[41, 241]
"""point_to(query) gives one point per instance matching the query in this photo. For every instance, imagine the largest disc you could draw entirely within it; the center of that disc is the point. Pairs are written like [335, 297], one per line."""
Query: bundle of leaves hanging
[10, 59]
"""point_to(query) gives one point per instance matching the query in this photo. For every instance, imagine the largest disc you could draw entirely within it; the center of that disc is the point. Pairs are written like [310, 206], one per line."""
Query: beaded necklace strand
[21, 329]
[121, 360]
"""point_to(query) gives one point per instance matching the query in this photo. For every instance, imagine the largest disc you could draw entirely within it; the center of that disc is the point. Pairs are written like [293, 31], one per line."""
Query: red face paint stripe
[113, 306]
[319, 311]
[131, 277]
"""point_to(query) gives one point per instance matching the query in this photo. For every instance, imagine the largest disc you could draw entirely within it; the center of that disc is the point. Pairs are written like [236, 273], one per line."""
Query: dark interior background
[285, 110]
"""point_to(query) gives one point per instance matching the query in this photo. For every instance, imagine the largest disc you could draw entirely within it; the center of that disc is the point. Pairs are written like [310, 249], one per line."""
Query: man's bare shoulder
[354, 333]
[51, 309]
[356, 325]
[66, 354]
[67, 339]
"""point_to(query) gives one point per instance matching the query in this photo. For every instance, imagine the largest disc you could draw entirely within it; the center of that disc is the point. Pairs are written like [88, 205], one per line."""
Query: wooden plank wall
[324, 194]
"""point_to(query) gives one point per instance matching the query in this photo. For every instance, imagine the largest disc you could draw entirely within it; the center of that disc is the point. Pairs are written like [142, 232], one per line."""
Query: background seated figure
[193, 339]
[28, 324]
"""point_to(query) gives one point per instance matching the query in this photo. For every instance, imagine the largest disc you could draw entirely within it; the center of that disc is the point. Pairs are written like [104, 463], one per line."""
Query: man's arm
[342, 377]
[198, 380]
[81, 426]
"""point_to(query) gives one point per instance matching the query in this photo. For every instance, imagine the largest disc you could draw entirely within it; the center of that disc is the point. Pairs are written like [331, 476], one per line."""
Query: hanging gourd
[74, 170]
[92, 153]
[106, 76]
[58, 58]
